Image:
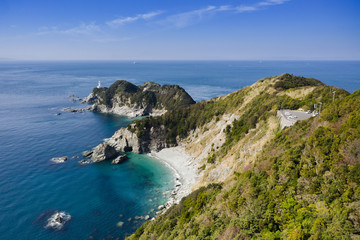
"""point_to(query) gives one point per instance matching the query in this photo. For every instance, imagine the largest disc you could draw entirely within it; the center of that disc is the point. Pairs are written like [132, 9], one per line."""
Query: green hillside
[303, 184]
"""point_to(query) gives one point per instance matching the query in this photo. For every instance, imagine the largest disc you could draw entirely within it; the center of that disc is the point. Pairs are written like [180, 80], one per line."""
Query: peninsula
[127, 99]
[255, 179]
[249, 176]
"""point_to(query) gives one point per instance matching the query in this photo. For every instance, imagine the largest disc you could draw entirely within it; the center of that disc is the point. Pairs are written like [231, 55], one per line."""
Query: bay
[99, 196]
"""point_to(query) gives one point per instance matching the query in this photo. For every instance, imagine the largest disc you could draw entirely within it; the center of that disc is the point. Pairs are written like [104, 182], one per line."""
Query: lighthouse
[99, 85]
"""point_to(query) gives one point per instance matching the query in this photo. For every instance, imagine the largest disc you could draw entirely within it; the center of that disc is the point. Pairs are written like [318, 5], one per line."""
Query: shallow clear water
[99, 196]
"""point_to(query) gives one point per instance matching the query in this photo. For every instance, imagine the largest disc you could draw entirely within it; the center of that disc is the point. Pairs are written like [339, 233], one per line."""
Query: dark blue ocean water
[99, 196]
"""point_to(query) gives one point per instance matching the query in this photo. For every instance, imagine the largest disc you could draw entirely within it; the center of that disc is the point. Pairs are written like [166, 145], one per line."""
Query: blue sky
[180, 30]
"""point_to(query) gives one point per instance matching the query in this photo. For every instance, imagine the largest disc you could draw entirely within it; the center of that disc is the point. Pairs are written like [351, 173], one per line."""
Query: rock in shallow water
[85, 161]
[87, 153]
[103, 152]
[120, 224]
[119, 159]
[59, 159]
[58, 220]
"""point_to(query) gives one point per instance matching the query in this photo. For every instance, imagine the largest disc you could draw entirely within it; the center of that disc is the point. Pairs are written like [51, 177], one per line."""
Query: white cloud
[179, 20]
[241, 9]
[122, 21]
[192, 17]
[187, 18]
[272, 2]
[82, 29]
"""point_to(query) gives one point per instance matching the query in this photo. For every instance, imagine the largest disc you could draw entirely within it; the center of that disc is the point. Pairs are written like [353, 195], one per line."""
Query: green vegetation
[287, 81]
[149, 95]
[181, 215]
[178, 123]
[305, 184]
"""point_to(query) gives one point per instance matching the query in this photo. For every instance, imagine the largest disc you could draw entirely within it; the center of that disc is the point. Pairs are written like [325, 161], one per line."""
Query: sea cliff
[257, 180]
[254, 177]
[127, 99]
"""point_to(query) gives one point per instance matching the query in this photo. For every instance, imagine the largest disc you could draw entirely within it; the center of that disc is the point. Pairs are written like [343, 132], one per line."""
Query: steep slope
[125, 98]
[258, 181]
[252, 107]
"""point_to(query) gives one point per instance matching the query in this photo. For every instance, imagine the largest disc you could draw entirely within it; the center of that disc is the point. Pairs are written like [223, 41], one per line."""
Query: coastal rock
[73, 110]
[59, 159]
[124, 140]
[85, 162]
[119, 159]
[87, 153]
[103, 152]
[90, 99]
[58, 220]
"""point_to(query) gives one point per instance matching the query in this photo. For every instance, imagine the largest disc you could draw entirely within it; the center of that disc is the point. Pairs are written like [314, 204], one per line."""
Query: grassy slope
[302, 184]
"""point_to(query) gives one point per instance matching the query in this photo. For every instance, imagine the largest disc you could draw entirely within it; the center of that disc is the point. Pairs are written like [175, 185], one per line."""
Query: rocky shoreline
[132, 101]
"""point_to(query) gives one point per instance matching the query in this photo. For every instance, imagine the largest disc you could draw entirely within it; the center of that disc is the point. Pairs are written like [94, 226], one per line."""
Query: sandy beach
[184, 168]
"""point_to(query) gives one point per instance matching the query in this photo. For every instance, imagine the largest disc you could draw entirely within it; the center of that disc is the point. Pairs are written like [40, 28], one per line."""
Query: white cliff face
[127, 111]
[124, 140]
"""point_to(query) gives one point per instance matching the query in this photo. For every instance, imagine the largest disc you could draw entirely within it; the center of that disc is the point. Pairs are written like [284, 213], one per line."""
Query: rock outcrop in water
[103, 152]
[120, 159]
[125, 98]
[59, 159]
[58, 220]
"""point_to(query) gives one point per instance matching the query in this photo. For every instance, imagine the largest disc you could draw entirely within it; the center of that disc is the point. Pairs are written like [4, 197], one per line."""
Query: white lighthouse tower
[99, 85]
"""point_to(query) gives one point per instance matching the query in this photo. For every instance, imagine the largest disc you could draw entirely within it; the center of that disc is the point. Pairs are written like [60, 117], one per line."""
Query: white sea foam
[58, 220]
[59, 159]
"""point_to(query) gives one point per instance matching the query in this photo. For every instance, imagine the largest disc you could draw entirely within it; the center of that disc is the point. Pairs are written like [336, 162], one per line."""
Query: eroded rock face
[103, 152]
[124, 140]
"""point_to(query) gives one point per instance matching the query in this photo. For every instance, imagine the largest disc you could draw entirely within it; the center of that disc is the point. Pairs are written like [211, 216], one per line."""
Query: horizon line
[173, 60]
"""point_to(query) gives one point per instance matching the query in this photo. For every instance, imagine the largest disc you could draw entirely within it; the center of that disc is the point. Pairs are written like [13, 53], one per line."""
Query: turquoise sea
[102, 199]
